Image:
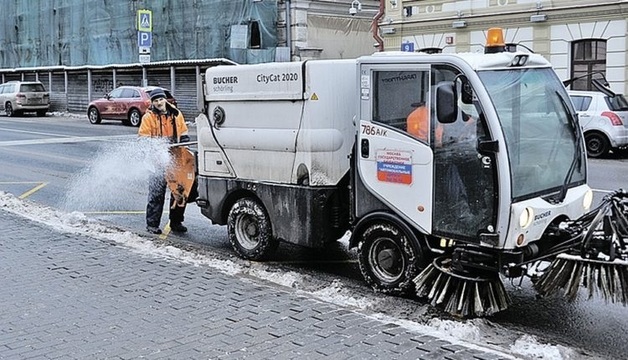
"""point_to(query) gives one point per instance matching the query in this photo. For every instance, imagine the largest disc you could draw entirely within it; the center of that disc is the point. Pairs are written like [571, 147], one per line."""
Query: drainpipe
[375, 26]
[288, 30]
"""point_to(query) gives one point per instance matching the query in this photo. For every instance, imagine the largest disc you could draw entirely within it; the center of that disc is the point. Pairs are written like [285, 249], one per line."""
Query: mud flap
[180, 175]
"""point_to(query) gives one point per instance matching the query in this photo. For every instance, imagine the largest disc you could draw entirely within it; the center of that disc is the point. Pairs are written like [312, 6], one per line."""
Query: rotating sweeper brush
[599, 261]
[461, 293]
[590, 252]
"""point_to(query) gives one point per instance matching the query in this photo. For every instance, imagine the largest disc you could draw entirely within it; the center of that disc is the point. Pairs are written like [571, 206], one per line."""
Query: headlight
[587, 200]
[525, 219]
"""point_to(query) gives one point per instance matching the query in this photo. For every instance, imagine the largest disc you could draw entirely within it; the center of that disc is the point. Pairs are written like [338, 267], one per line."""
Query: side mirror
[107, 96]
[446, 102]
[466, 91]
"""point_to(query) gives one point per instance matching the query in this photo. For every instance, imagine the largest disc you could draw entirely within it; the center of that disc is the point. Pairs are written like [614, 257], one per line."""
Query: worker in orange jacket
[418, 124]
[163, 120]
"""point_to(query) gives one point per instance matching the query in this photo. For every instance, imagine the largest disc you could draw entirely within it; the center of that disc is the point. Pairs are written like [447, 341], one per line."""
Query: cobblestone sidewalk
[68, 296]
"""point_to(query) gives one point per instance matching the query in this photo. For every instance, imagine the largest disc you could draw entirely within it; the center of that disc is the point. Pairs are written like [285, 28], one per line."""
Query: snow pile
[336, 293]
[528, 346]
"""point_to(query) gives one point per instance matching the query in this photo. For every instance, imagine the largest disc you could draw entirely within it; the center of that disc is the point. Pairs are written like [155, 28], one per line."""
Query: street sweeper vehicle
[451, 172]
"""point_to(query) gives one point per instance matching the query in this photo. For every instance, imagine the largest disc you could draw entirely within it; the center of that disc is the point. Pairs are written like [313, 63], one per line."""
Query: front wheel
[250, 230]
[388, 261]
[41, 113]
[94, 116]
[135, 118]
[597, 144]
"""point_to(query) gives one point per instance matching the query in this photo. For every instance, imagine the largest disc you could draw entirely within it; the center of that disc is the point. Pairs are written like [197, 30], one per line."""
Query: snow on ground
[467, 332]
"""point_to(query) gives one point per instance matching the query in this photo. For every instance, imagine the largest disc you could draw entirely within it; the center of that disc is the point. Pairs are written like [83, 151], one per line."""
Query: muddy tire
[250, 230]
[388, 261]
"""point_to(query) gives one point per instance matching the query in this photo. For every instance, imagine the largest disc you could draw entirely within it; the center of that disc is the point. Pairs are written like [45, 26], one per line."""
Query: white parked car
[17, 97]
[604, 120]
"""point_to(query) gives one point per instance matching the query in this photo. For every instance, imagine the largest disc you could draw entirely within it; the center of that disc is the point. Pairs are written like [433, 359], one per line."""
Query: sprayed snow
[468, 333]
[127, 164]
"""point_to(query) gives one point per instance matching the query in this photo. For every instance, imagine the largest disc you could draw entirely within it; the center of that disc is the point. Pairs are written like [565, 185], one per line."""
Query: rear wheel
[135, 118]
[387, 258]
[250, 230]
[8, 108]
[94, 116]
[597, 144]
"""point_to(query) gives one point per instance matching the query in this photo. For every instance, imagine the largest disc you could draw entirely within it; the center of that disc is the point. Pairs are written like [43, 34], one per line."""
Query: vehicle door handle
[364, 148]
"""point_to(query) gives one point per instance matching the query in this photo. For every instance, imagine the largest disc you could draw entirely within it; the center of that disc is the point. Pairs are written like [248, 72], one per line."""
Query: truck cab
[509, 137]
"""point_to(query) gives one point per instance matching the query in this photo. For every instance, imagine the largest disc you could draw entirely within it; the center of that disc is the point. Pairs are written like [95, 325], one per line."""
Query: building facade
[580, 38]
[81, 49]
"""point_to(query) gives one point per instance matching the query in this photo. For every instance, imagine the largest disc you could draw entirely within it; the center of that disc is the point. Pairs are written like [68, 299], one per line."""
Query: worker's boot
[153, 230]
[178, 227]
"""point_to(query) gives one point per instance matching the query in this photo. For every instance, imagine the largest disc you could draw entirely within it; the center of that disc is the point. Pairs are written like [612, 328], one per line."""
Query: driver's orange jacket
[418, 124]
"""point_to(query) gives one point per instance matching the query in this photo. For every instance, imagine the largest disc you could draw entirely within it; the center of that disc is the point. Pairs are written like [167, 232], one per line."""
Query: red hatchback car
[126, 103]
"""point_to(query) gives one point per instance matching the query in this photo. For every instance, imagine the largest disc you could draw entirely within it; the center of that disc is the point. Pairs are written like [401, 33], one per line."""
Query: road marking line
[73, 139]
[33, 190]
[19, 182]
[32, 132]
[115, 212]
[166, 231]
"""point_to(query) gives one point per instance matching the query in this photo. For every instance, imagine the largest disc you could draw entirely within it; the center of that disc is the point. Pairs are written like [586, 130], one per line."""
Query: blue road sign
[145, 20]
[408, 46]
[144, 39]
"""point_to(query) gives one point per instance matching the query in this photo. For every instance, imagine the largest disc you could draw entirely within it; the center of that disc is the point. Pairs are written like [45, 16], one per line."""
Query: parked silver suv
[17, 97]
[604, 120]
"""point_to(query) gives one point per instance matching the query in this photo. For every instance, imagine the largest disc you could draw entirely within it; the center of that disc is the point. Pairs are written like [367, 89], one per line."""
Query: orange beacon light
[494, 41]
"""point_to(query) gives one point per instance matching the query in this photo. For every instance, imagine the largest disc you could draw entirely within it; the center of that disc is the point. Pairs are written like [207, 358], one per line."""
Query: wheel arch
[234, 196]
[418, 241]
[598, 131]
[131, 109]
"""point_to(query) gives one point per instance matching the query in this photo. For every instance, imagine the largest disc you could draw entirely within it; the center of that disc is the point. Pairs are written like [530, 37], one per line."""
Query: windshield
[617, 103]
[540, 133]
[32, 88]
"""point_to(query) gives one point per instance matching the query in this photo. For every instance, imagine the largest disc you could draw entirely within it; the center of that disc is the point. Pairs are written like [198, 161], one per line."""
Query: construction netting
[98, 32]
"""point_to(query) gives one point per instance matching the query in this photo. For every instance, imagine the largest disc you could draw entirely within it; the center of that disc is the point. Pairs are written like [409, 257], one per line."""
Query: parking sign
[144, 39]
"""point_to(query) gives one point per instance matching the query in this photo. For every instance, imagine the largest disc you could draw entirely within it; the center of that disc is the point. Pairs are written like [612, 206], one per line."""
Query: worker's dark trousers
[156, 196]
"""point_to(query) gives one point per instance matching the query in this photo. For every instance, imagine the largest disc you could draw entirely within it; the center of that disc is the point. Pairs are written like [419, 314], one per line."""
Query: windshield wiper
[577, 157]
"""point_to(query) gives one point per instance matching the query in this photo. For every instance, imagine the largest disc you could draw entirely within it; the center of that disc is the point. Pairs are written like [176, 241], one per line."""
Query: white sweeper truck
[451, 172]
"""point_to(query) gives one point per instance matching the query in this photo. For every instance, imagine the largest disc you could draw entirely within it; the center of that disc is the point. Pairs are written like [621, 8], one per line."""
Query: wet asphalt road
[40, 157]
